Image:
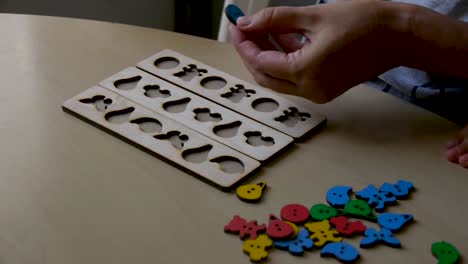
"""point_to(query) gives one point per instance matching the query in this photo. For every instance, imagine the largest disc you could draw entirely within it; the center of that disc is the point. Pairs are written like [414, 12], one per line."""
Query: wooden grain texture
[157, 95]
[303, 118]
[214, 167]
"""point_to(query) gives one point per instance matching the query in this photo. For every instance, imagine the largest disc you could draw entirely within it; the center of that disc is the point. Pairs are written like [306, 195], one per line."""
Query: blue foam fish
[340, 250]
[394, 222]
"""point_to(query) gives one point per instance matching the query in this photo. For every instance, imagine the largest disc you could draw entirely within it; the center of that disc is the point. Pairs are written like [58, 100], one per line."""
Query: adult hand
[348, 43]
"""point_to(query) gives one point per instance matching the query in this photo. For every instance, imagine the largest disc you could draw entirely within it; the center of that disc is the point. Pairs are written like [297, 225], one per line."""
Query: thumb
[276, 20]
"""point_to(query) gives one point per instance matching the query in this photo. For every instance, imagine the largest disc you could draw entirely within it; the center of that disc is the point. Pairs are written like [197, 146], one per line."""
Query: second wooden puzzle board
[250, 100]
[228, 127]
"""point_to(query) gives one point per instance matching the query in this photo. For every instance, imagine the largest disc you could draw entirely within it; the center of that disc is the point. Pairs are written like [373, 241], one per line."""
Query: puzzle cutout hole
[265, 105]
[213, 82]
[99, 101]
[177, 106]
[227, 130]
[148, 124]
[292, 116]
[236, 94]
[153, 91]
[119, 116]
[229, 164]
[176, 138]
[197, 155]
[255, 138]
[128, 83]
[205, 115]
[166, 63]
[190, 72]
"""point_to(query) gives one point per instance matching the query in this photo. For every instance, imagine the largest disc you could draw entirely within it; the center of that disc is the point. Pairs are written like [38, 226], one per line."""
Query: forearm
[435, 43]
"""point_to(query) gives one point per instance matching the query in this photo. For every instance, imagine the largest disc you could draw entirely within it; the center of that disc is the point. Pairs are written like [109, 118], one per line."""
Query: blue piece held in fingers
[233, 12]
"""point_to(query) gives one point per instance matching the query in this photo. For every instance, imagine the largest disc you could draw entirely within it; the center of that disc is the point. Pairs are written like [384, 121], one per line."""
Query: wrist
[430, 41]
[396, 18]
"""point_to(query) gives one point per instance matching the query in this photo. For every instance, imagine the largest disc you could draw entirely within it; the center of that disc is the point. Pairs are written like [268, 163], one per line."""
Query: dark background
[199, 18]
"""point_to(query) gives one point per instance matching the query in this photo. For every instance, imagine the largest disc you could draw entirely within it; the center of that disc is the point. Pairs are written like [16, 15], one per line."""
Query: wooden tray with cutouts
[204, 121]
[157, 134]
[250, 100]
[226, 126]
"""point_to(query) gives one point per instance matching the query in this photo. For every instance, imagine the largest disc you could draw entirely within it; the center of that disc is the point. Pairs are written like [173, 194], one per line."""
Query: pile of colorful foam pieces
[324, 227]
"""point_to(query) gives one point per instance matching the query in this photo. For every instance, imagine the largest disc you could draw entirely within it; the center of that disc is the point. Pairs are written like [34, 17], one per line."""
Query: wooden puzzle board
[160, 135]
[228, 127]
[196, 117]
[250, 100]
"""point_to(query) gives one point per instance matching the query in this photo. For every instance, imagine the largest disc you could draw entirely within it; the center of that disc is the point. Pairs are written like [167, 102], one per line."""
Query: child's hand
[457, 148]
[348, 43]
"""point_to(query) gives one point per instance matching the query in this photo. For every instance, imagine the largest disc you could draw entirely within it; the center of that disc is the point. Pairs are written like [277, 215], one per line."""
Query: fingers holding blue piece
[233, 12]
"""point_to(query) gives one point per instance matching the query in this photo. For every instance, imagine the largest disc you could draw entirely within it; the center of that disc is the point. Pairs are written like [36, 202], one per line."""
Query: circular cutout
[265, 105]
[166, 63]
[213, 82]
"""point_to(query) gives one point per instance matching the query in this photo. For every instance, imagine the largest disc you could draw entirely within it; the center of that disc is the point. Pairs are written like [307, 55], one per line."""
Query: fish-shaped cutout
[393, 221]
[128, 83]
[338, 196]
[251, 192]
[119, 116]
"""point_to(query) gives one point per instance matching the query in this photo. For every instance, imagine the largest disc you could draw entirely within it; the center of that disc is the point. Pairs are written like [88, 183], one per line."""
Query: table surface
[71, 193]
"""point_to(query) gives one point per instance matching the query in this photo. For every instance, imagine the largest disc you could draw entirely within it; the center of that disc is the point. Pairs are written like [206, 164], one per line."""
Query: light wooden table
[71, 193]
